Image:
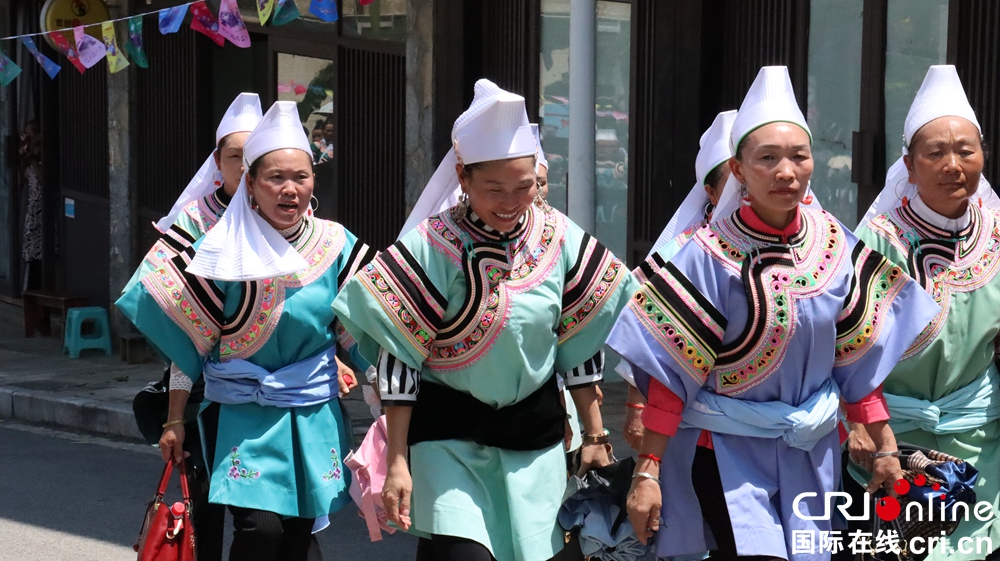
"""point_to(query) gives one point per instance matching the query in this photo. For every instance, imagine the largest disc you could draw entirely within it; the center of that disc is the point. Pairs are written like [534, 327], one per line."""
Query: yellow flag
[264, 8]
[116, 58]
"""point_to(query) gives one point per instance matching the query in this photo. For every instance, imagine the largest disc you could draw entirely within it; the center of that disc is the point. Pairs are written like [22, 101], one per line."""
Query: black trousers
[711, 497]
[451, 548]
[259, 535]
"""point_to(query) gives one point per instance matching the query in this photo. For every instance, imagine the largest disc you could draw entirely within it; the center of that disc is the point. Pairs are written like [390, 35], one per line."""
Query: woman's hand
[860, 446]
[594, 456]
[643, 505]
[346, 377]
[396, 493]
[172, 443]
[885, 474]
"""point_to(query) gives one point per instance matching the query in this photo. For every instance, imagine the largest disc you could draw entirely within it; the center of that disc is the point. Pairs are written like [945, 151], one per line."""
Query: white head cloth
[242, 116]
[940, 95]
[494, 127]
[243, 246]
[714, 152]
[542, 162]
[770, 99]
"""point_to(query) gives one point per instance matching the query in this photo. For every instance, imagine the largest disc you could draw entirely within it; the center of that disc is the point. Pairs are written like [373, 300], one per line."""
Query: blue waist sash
[801, 427]
[311, 381]
[962, 410]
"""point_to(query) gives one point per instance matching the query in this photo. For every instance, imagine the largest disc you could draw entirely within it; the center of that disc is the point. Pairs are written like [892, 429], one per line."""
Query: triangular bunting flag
[172, 18]
[50, 68]
[68, 50]
[325, 10]
[116, 59]
[205, 23]
[285, 12]
[264, 9]
[134, 45]
[231, 24]
[8, 70]
[90, 50]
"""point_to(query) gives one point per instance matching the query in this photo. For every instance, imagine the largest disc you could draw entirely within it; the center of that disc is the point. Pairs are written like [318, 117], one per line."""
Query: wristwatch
[602, 438]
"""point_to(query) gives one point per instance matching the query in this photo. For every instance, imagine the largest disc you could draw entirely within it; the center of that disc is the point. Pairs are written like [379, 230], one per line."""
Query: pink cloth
[369, 466]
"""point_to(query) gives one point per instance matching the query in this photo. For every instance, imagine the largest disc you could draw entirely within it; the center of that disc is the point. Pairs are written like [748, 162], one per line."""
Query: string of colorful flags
[86, 51]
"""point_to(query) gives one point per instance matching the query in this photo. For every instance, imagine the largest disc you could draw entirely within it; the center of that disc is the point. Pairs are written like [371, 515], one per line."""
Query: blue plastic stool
[75, 341]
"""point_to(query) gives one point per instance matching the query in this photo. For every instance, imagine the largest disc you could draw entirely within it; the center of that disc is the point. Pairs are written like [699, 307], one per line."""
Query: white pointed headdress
[770, 99]
[243, 115]
[714, 152]
[243, 246]
[940, 95]
[494, 127]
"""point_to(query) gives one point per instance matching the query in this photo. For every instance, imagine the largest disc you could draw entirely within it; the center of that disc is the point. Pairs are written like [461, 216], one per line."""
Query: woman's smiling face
[500, 191]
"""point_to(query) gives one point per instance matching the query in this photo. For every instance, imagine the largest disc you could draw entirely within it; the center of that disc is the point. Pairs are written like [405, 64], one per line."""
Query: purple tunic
[748, 316]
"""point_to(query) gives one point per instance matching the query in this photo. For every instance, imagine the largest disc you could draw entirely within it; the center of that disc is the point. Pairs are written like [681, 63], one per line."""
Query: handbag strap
[168, 469]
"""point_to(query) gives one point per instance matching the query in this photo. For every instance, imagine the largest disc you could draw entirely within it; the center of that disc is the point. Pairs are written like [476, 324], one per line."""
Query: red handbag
[167, 533]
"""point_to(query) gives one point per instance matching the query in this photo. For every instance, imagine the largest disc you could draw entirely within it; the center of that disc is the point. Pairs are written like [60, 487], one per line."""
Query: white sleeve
[179, 380]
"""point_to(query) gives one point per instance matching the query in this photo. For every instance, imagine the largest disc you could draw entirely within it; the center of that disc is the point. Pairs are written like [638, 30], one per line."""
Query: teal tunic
[492, 316]
[283, 460]
[958, 345]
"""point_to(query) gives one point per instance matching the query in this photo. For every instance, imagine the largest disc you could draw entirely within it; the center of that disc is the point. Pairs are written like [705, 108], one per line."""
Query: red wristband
[635, 406]
[651, 457]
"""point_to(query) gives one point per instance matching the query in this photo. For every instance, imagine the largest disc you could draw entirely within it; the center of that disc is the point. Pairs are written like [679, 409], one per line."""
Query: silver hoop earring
[463, 205]
[313, 207]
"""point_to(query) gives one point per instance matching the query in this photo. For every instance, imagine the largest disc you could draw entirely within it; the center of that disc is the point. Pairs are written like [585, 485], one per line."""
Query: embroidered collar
[924, 229]
[928, 218]
[479, 229]
[221, 197]
[295, 233]
[747, 221]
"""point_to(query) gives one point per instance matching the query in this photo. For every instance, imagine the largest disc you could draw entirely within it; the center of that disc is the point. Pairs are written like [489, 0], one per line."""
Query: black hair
[713, 176]
[741, 146]
[255, 167]
[223, 141]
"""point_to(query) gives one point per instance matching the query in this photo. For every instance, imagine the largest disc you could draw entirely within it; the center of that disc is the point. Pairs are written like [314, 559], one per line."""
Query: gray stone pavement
[39, 384]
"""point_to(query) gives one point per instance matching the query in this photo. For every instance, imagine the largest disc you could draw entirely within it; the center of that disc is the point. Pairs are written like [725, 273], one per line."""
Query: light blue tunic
[283, 460]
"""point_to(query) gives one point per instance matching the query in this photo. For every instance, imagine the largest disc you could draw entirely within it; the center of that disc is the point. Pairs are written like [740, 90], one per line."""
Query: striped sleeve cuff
[586, 374]
[397, 383]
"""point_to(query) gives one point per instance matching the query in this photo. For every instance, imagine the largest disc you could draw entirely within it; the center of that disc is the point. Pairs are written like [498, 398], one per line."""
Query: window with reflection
[834, 112]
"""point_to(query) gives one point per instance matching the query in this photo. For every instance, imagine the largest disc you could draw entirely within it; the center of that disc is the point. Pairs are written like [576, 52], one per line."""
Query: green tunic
[492, 316]
[283, 460]
[958, 345]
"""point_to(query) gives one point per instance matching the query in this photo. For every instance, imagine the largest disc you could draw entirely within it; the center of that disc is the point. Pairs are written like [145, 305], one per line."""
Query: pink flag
[90, 50]
[204, 22]
[67, 49]
[231, 24]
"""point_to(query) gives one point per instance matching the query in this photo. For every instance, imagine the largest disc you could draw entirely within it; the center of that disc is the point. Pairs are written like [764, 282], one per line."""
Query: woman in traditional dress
[937, 216]
[479, 307]
[747, 339]
[264, 337]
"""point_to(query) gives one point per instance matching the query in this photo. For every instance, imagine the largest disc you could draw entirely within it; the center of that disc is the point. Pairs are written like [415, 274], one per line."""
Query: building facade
[381, 87]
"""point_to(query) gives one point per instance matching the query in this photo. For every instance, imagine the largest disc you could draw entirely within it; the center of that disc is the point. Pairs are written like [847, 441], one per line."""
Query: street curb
[78, 413]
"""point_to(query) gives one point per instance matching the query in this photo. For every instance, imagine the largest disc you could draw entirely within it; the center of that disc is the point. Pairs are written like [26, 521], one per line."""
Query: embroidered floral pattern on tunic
[497, 267]
[776, 275]
[193, 303]
[944, 263]
[682, 320]
[876, 283]
[320, 243]
[237, 469]
[595, 275]
[335, 472]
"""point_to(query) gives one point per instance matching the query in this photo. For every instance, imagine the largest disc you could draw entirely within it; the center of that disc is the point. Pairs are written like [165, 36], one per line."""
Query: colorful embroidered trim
[595, 275]
[320, 242]
[944, 263]
[685, 323]
[775, 275]
[876, 283]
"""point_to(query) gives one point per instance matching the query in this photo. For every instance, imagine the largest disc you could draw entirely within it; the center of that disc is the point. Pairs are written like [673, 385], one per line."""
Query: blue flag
[172, 18]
